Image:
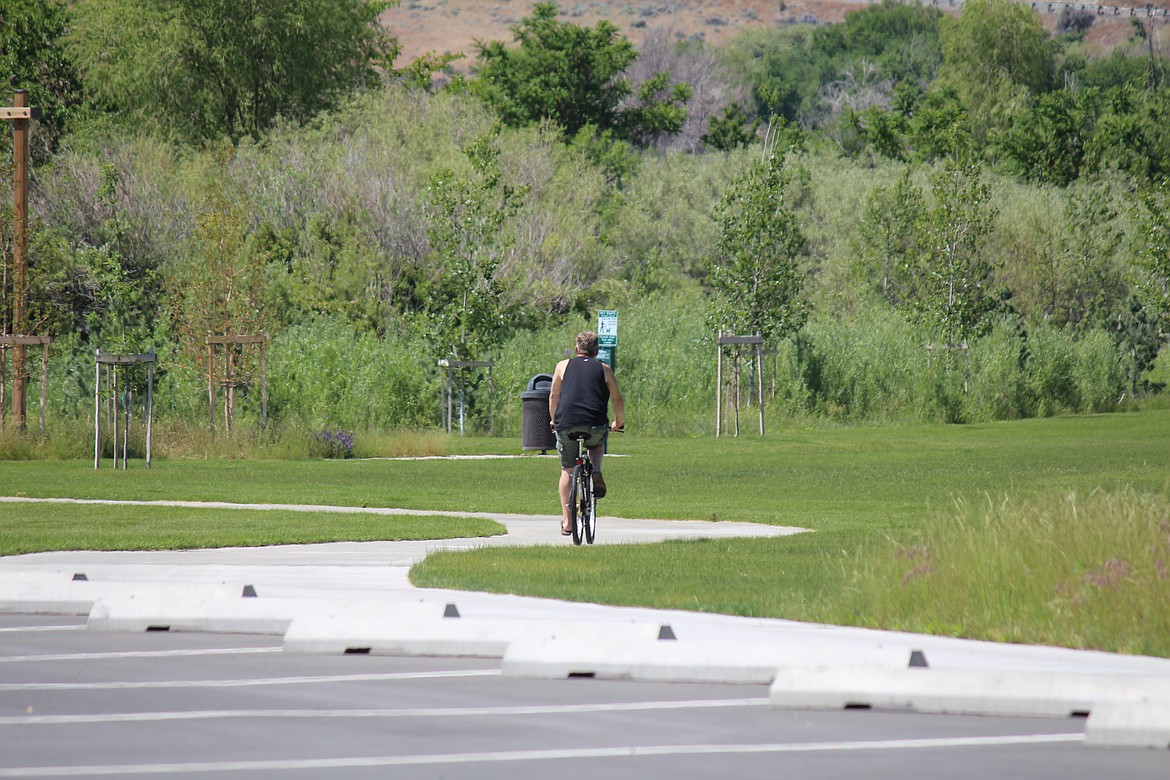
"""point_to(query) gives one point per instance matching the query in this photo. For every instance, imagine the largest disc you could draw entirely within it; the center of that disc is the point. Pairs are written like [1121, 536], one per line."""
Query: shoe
[566, 530]
[598, 485]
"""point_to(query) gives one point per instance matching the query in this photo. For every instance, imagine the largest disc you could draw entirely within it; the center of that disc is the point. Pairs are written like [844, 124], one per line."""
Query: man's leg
[565, 484]
[595, 454]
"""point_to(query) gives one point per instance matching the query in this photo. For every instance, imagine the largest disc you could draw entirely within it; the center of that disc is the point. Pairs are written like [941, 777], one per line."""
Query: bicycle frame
[582, 503]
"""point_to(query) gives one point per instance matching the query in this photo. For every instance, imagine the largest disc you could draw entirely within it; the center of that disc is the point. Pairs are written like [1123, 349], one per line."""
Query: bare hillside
[443, 26]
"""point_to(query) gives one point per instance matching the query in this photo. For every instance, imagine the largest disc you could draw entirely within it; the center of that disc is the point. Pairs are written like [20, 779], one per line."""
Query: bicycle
[582, 501]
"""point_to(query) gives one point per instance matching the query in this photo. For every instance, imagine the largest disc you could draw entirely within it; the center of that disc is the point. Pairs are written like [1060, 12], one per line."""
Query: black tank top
[584, 398]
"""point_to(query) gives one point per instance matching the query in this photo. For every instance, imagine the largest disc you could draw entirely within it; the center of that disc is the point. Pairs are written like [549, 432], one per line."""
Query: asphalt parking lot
[79, 703]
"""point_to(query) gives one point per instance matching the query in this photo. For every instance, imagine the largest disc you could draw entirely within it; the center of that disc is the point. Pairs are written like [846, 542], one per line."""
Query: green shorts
[598, 436]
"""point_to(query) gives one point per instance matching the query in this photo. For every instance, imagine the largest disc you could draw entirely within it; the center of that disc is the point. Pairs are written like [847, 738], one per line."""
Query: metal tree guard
[725, 340]
[448, 389]
[112, 363]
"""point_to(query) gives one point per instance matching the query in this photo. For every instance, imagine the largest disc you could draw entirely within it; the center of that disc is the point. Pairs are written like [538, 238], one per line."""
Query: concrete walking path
[357, 597]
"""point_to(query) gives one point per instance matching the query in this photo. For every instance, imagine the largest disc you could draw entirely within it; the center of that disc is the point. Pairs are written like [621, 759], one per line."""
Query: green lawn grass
[870, 493]
[42, 527]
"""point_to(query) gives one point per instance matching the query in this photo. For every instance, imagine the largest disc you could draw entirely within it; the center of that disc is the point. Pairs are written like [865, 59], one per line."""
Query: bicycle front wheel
[576, 496]
[589, 511]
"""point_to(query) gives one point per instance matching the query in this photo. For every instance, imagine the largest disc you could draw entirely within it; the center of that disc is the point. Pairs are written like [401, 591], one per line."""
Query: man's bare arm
[615, 398]
[554, 393]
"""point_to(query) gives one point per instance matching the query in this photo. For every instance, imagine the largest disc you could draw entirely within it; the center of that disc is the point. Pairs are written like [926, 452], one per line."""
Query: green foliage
[32, 58]
[559, 71]
[123, 294]
[787, 69]
[576, 78]
[731, 130]
[465, 299]
[926, 254]
[1154, 259]
[1047, 143]
[996, 55]
[323, 374]
[756, 271]
[200, 69]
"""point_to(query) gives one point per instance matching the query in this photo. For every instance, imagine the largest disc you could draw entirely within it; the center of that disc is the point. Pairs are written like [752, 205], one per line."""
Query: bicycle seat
[577, 435]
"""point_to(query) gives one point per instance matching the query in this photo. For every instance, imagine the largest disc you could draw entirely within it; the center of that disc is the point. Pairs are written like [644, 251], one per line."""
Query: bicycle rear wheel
[575, 502]
[589, 510]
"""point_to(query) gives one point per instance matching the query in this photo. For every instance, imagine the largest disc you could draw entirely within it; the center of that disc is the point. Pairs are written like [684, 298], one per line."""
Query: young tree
[928, 252]
[207, 68]
[465, 296]
[756, 273]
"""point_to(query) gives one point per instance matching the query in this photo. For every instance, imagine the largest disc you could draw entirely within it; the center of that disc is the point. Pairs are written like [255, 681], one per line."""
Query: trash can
[536, 431]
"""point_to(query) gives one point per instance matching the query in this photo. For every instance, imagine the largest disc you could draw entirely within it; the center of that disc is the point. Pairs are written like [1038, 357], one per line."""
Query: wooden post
[738, 383]
[19, 114]
[44, 381]
[231, 344]
[263, 385]
[449, 389]
[3, 385]
[114, 409]
[211, 385]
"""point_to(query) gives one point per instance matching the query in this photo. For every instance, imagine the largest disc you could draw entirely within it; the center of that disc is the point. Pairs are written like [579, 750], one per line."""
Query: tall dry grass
[1076, 570]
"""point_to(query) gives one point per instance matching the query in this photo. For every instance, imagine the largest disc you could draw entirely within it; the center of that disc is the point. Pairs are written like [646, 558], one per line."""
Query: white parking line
[434, 712]
[22, 629]
[145, 685]
[634, 751]
[14, 659]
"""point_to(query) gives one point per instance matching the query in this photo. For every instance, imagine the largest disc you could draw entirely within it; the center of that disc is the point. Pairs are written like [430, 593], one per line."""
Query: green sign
[607, 328]
[607, 355]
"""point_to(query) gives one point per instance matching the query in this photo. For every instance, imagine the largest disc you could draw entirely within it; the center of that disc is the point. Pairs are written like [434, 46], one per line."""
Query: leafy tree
[902, 39]
[573, 76]
[206, 68]
[756, 272]
[996, 55]
[891, 245]
[1047, 143]
[465, 297]
[32, 58]
[1131, 134]
[123, 295]
[1095, 293]
[731, 130]
[957, 273]
[927, 253]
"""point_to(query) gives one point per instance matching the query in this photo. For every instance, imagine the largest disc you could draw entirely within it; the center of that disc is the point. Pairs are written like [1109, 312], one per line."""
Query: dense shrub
[323, 374]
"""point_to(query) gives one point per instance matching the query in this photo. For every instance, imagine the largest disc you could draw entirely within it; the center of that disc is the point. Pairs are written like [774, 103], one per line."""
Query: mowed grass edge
[44, 527]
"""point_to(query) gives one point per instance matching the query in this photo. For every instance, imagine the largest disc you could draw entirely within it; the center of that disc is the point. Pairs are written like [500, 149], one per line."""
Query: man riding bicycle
[582, 389]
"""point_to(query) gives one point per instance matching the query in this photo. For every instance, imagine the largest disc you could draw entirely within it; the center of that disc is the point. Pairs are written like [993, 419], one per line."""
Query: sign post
[607, 322]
